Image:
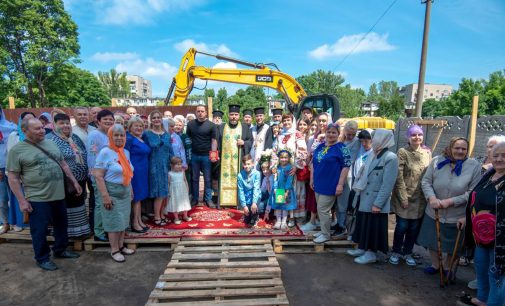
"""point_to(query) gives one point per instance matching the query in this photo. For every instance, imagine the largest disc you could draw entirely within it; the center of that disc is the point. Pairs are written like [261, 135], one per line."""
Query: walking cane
[439, 250]
[452, 269]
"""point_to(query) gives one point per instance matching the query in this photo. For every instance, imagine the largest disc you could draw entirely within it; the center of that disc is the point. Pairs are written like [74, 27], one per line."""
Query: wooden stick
[473, 124]
[440, 130]
[439, 250]
[452, 274]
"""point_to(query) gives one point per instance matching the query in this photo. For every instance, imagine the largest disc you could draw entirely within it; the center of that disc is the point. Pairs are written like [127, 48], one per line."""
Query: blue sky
[149, 37]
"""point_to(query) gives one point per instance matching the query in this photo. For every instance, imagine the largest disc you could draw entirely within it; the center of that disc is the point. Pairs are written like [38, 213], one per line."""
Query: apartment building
[431, 91]
[140, 87]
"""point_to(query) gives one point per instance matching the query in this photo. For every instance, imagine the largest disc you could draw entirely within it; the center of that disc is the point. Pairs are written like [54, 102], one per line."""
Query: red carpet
[216, 223]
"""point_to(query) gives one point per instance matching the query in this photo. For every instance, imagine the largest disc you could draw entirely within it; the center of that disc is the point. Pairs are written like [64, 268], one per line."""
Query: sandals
[177, 221]
[160, 222]
[126, 251]
[117, 256]
[187, 219]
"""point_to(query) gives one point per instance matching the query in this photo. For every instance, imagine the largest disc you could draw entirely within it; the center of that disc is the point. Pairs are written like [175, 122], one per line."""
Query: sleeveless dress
[179, 198]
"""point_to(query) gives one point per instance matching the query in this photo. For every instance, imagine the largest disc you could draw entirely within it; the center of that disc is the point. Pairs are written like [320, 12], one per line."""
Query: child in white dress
[178, 191]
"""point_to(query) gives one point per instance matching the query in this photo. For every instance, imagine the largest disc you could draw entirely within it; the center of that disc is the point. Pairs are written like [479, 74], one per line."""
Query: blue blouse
[328, 162]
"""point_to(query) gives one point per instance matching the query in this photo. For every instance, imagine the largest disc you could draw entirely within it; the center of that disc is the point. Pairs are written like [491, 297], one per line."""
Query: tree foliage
[491, 94]
[387, 95]
[115, 83]
[327, 82]
[37, 39]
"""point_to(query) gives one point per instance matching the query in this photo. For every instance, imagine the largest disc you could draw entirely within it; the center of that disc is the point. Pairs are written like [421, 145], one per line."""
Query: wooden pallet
[146, 244]
[24, 236]
[308, 246]
[226, 272]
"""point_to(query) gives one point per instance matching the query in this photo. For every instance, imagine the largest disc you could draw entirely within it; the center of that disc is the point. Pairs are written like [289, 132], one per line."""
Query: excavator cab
[320, 103]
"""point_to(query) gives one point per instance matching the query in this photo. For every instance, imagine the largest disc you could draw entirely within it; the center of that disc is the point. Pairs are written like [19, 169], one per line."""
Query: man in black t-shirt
[203, 134]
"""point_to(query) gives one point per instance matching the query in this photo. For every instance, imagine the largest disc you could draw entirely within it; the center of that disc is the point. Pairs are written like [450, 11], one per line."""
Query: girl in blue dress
[283, 181]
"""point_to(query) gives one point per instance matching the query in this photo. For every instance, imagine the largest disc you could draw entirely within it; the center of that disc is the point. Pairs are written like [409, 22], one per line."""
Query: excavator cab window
[321, 103]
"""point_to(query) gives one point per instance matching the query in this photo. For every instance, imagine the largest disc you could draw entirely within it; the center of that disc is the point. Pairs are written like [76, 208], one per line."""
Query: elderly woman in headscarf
[292, 140]
[408, 202]
[15, 214]
[113, 172]
[74, 154]
[446, 185]
[6, 128]
[373, 187]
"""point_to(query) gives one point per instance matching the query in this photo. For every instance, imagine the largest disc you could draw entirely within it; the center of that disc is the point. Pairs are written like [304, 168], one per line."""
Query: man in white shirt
[81, 127]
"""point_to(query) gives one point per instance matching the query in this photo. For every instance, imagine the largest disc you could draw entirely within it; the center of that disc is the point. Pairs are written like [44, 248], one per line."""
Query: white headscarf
[381, 139]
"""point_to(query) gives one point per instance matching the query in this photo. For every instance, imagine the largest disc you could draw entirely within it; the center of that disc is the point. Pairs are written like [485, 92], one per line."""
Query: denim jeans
[405, 235]
[490, 287]
[201, 163]
[4, 199]
[43, 214]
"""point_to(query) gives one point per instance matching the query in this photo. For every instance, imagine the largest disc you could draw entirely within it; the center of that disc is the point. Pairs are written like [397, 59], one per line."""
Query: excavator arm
[259, 75]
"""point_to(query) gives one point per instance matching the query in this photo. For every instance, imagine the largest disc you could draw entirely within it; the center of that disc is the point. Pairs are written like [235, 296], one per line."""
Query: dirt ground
[309, 279]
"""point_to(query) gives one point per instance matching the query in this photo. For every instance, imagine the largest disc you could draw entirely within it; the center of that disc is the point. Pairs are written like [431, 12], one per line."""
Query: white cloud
[371, 43]
[148, 68]
[225, 65]
[113, 56]
[120, 12]
[220, 49]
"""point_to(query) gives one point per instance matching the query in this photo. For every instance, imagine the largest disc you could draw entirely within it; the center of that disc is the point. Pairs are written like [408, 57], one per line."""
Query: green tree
[222, 95]
[116, 83]
[251, 97]
[387, 95]
[350, 100]
[37, 38]
[434, 108]
[320, 81]
[209, 92]
[73, 86]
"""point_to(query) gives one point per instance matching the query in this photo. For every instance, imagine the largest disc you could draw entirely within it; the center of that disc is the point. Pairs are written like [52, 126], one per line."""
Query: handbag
[280, 196]
[70, 189]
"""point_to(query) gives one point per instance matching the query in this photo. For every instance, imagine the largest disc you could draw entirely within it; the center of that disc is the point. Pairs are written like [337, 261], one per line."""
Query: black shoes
[67, 254]
[102, 239]
[47, 265]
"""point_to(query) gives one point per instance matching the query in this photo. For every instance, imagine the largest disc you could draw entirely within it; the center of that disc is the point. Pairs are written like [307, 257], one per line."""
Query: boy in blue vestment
[249, 192]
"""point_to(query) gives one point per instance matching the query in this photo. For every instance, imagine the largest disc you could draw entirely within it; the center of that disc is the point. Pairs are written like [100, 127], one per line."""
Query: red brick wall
[13, 114]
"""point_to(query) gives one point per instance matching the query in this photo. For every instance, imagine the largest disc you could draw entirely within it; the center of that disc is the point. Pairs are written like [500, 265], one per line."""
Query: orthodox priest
[235, 140]
[262, 136]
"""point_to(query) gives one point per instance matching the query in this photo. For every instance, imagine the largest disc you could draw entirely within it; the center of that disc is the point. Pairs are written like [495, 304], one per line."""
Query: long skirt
[78, 224]
[428, 235]
[116, 219]
[300, 199]
[371, 232]
[310, 199]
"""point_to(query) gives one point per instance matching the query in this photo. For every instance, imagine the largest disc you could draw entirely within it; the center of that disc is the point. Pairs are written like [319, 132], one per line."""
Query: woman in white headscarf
[6, 127]
[373, 187]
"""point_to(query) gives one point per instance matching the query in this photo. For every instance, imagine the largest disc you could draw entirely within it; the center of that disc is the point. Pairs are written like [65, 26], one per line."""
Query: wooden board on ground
[24, 236]
[225, 272]
[308, 246]
[144, 244]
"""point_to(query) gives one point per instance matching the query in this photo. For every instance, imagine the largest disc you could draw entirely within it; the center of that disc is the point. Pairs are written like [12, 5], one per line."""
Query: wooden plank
[229, 248]
[430, 121]
[215, 275]
[245, 270]
[179, 256]
[255, 302]
[217, 292]
[223, 242]
[216, 265]
[219, 283]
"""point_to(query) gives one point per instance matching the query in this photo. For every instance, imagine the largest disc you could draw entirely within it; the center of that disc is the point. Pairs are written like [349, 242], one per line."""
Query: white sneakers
[394, 259]
[368, 257]
[355, 252]
[308, 227]
[277, 224]
[321, 238]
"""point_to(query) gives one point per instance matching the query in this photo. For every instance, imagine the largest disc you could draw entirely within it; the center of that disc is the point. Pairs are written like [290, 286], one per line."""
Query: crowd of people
[308, 172]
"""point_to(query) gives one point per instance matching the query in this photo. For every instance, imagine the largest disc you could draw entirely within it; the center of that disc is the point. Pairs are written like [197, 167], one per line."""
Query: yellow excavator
[261, 75]
[258, 75]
